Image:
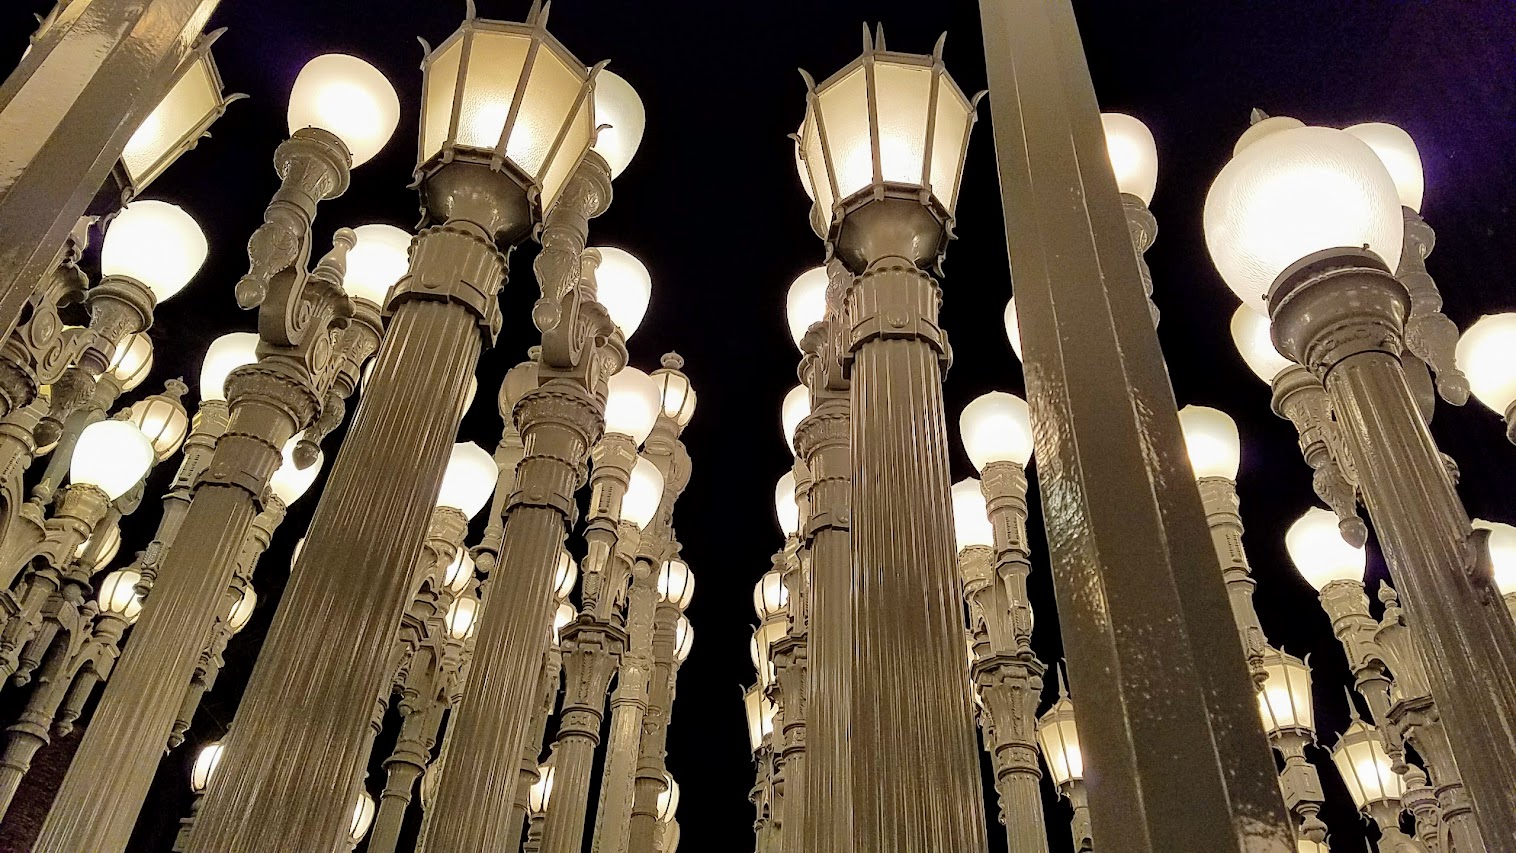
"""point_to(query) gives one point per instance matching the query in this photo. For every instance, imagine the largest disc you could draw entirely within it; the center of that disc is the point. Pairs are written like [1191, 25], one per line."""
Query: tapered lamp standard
[1215, 450]
[269, 402]
[1058, 738]
[549, 681]
[1289, 719]
[1336, 309]
[993, 556]
[1300, 398]
[882, 146]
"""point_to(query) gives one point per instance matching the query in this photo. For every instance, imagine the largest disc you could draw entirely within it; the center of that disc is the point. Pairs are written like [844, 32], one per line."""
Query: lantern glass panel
[814, 170]
[441, 81]
[904, 93]
[845, 110]
[160, 138]
[495, 61]
[552, 91]
[954, 117]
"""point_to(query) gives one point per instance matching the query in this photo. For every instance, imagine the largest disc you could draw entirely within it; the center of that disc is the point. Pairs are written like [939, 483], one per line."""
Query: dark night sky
[712, 206]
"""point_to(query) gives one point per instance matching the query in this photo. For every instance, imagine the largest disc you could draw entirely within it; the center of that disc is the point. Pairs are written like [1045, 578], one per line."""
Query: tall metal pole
[65, 117]
[1169, 719]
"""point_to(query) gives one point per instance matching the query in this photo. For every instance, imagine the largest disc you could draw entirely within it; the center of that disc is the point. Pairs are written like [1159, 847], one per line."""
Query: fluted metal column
[590, 651]
[646, 829]
[629, 706]
[418, 734]
[547, 693]
[1342, 315]
[1140, 595]
[916, 785]
[114, 767]
[823, 442]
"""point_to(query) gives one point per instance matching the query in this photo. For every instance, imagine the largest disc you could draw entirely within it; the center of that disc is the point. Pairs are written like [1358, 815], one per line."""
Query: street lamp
[1366, 769]
[162, 418]
[1485, 354]
[1058, 740]
[632, 404]
[363, 818]
[805, 303]
[118, 594]
[796, 408]
[785, 507]
[644, 494]
[1502, 543]
[1303, 223]
[225, 354]
[623, 286]
[676, 583]
[1289, 719]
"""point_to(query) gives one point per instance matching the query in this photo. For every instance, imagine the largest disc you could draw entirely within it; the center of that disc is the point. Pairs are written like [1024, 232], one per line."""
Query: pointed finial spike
[868, 39]
[547, 8]
[939, 47]
[1352, 706]
[879, 36]
[1063, 682]
[810, 82]
[469, 12]
[1256, 116]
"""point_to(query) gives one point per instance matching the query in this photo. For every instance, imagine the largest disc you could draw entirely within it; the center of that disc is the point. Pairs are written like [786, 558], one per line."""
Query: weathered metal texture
[1169, 722]
[1341, 315]
[108, 782]
[66, 114]
[915, 775]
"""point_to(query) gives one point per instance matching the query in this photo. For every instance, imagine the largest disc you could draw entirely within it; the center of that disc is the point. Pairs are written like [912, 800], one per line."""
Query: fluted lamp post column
[676, 589]
[1317, 262]
[882, 147]
[269, 402]
[1058, 738]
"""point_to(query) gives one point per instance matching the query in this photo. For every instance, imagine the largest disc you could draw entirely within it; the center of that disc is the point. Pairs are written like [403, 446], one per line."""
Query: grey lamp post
[885, 192]
[1336, 310]
[1058, 739]
[1289, 719]
[676, 587]
[269, 402]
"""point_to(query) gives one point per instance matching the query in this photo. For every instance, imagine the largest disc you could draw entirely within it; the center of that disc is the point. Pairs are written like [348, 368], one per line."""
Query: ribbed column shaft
[558, 423]
[916, 786]
[30, 733]
[589, 661]
[646, 830]
[109, 779]
[547, 694]
[1011, 689]
[418, 734]
[824, 440]
[291, 769]
[629, 706]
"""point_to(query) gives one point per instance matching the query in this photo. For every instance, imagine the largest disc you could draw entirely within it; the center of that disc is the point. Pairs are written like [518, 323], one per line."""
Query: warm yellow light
[1502, 553]
[767, 634]
[678, 395]
[459, 572]
[796, 408]
[971, 518]
[771, 597]
[622, 119]
[1059, 740]
[1254, 341]
[1487, 355]
[1365, 767]
[805, 304]
[1285, 700]
[226, 353]
[623, 285]
[644, 494]
[349, 98]
[1317, 549]
[785, 507]
[113, 455]
[541, 791]
[290, 482]
[380, 257]
[163, 421]
[363, 817]
[1397, 150]
[461, 617]
[118, 594]
[1210, 436]
[632, 403]
[1293, 193]
[176, 123]
[565, 575]
[1133, 153]
[242, 609]
[676, 583]
[668, 799]
[132, 361]
[155, 243]
[205, 764]
[469, 479]
[996, 427]
[684, 638]
[1013, 328]
[564, 615]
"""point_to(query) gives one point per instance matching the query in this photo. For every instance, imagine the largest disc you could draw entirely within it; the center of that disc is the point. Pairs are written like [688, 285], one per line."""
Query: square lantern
[760, 716]
[889, 125]
[1059, 740]
[1285, 700]
[509, 96]
[1365, 767]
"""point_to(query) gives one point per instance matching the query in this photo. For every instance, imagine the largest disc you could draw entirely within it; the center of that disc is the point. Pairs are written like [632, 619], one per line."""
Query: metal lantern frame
[923, 192]
[1362, 742]
[451, 150]
[676, 395]
[1053, 736]
[1298, 696]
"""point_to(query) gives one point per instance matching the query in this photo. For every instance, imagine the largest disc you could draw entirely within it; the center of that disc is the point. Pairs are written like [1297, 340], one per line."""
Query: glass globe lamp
[971, 519]
[632, 404]
[118, 594]
[205, 765]
[541, 791]
[113, 455]
[290, 482]
[461, 618]
[100, 548]
[155, 243]
[348, 98]
[644, 494]
[1058, 739]
[242, 609]
[760, 716]
[623, 285]
[132, 361]
[675, 390]
[668, 799]
[380, 257]
[805, 304]
[1317, 549]
[796, 408]
[176, 125]
[1133, 153]
[1365, 768]
[510, 96]
[1294, 193]
[1210, 436]
[684, 638]
[562, 618]
[1254, 340]
[1502, 553]
[1285, 700]
[1486, 354]
[785, 507]
[996, 427]
[622, 120]
[469, 479]
[226, 353]
[162, 419]
[459, 572]
[1013, 328]
[676, 583]
[565, 575]
[771, 598]
[1397, 151]
[363, 818]
[767, 634]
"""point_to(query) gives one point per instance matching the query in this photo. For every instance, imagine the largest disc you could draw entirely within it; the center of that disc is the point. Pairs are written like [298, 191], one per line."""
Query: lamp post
[991, 518]
[1215, 451]
[1058, 738]
[676, 588]
[886, 187]
[1289, 719]
[1375, 788]
[1484, 353]
[1317, 263]
[268, 403]
[1134, 161]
